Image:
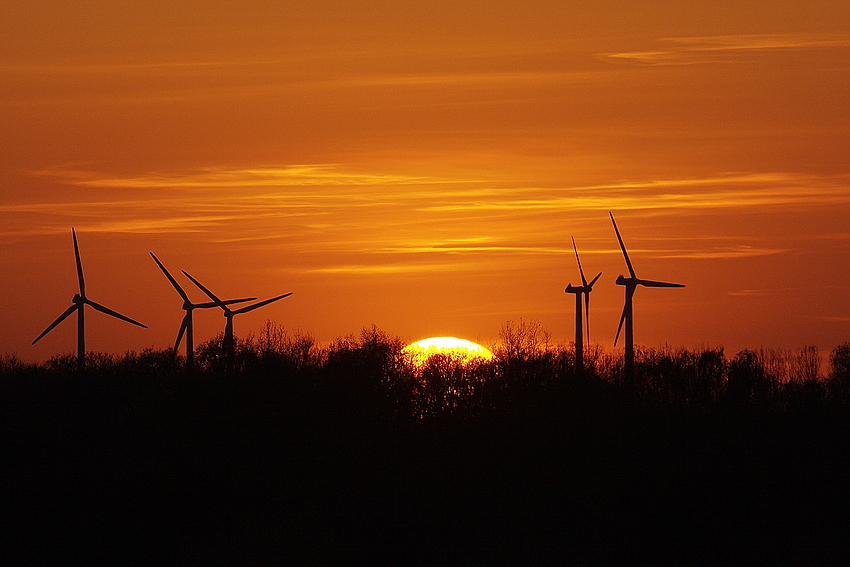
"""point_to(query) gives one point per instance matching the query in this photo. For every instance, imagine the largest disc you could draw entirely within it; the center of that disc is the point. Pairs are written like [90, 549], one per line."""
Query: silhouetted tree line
[370, 377]
[350, 453]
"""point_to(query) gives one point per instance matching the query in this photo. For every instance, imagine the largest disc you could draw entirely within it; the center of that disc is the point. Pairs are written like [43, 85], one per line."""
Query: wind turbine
[229, 314]
[631, 284]
[79, 302]
[189, 307]
[584, 289]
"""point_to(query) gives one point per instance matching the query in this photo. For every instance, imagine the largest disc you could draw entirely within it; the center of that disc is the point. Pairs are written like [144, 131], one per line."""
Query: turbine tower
[186, 325]
[79, 302]
[585, 290]
[631, 284]
[229, 314]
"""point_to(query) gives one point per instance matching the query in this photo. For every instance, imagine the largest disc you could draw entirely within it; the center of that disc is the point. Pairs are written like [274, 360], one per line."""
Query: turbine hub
[78, 299]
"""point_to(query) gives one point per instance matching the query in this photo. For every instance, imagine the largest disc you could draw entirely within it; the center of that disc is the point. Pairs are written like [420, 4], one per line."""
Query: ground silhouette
[349, 454]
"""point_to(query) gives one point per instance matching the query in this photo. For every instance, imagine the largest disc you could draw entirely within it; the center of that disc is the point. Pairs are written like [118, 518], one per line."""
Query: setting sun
[457, 348]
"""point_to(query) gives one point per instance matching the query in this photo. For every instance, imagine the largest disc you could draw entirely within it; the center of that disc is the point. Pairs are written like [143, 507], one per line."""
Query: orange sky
[422, 166]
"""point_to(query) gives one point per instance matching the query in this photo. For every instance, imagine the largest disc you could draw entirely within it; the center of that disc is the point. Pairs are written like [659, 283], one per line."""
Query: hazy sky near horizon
[422, 167]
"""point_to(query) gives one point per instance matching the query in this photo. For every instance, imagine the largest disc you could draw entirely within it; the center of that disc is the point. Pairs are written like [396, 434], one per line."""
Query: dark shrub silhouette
[839, 374]
[839, 361]
[748, 384]
[448, 387]
[367, 378]
[525, 369]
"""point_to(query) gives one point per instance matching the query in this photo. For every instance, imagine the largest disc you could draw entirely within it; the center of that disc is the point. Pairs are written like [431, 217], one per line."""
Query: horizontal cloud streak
[718, 192]
[716, 253]
[295, 175]
[410, 223]
[384, 269]
[705, 49]
[762, 292]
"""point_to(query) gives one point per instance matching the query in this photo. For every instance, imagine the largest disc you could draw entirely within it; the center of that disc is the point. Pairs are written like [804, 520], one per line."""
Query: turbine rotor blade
[58, 320]
[79, 265]
[108, 311]
[210, 304]
[183, 326]
[650, 283]
[620, 327]
[623, 246]
[210, 294]
[170, 278]
[260, 304]
[593, 281]
[243, 300]
[580, 271]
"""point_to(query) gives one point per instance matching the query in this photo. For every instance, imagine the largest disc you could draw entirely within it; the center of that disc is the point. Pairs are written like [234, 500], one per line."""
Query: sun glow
[452, 346]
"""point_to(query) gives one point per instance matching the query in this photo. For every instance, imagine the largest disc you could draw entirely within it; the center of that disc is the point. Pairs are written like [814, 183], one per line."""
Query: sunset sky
[421, 166]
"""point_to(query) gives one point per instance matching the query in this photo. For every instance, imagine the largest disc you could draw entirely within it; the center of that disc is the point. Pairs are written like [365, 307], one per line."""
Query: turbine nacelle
[583, 288]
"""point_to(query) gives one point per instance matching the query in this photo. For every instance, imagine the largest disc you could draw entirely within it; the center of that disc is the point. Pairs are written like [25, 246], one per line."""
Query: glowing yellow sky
[422, 166]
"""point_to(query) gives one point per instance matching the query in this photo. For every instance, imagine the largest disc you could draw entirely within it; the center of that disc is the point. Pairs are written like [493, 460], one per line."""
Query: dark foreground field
[342, 461]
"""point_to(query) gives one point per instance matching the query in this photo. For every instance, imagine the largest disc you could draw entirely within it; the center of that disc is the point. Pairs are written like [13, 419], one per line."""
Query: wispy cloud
[476, 245]
[734, 189]
[742, 251]
[327, 174]
[704, 193]
[385, 269]
[762, 292]
[706, 49]
[206, 81]
[389, 223]
[189, 201]
[700, 252]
